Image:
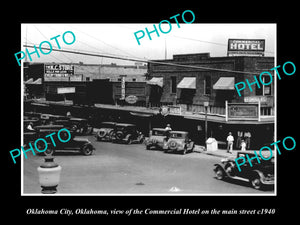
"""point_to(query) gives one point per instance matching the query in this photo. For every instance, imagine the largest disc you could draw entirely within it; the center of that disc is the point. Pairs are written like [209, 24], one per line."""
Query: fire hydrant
[49, 174]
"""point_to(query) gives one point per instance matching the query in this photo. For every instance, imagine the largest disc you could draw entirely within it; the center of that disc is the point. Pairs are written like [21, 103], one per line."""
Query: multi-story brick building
[206, 84]
[192, 86]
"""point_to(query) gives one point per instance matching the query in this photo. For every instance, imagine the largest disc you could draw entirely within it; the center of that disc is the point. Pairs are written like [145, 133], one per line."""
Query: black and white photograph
[150, 111]
[154, 111]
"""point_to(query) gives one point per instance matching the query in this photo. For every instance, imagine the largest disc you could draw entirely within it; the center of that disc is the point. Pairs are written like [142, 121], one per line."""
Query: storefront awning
[187, 82]
[159, 81]
[37, 81]
[29, 81]
[224, 83]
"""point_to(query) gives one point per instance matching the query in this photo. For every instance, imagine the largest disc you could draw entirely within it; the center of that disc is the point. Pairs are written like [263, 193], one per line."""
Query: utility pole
[165, 48]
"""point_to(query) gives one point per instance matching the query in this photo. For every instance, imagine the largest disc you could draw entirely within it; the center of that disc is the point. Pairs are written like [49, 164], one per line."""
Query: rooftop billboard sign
[246, 47]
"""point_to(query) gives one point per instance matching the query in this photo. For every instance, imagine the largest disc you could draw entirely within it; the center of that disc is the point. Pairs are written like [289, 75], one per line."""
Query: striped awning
[187, 82]
[159, 81]
[224, 83]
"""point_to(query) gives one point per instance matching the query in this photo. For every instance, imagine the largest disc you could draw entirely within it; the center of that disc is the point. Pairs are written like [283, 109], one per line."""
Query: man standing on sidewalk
[230, 140]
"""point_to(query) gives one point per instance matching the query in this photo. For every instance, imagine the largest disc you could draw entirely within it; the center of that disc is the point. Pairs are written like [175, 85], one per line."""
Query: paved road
[130, 169]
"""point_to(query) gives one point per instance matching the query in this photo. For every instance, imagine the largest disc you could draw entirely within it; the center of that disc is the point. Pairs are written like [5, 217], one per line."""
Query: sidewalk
[219, 152]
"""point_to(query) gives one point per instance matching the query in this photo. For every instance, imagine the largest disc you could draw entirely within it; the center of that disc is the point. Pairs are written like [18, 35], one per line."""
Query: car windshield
[176, 135]
[125, 127]
[158, 133]
[107, 125]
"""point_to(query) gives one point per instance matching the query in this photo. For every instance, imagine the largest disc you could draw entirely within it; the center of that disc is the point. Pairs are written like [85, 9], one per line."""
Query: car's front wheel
[87, 150]
[219, 172]
[256, 182]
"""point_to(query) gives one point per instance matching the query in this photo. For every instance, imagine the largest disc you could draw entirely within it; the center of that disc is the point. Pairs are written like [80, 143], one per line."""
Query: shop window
[264, 89]
[173, 85]
[207, 85]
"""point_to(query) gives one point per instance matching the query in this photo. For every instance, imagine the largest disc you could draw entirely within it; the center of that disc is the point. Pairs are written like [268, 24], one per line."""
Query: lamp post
[206, 104]
[49, 174]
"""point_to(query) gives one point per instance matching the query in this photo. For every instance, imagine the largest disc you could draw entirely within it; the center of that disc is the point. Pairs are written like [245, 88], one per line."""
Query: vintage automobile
[106, 131]
[50, 118]
[127, 133]
[80, 126]
[260, 175]
[156, 139]
[178, 141]
[75, 143]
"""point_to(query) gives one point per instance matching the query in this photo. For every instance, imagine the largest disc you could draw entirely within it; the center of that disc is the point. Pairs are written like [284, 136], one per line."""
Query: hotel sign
[246, 47]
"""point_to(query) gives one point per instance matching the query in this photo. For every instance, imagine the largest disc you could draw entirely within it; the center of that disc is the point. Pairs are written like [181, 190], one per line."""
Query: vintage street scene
[107, 116]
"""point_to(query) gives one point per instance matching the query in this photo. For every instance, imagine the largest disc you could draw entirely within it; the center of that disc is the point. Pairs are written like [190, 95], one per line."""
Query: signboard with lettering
[243, 111]
[171, 109]
[123, 87]
[246, 47]
[65, 90]
[58, 72]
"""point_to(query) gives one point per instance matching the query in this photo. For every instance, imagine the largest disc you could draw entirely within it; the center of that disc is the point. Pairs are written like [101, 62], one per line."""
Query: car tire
[219, 172]
[101, 133]
[148, 147]
[256, 182]
[87, 150]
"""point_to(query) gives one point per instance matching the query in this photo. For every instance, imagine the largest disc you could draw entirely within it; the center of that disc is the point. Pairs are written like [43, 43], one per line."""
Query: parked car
[259, 175]
[75, 143]
[127, 133]
[156, 139]
[80, 126]
[50, 118]
[106, 131]
[178, 141]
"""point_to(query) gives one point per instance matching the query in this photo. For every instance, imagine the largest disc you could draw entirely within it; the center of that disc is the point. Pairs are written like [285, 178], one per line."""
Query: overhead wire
[146, 61]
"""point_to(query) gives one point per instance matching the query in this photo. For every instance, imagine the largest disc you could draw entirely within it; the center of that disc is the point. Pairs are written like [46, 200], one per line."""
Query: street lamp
[206, 104]
[49, 174]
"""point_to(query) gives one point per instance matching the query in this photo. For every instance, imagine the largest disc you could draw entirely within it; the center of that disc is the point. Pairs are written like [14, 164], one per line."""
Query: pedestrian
[168, 127]
[239, 139]
[243, 145]
[247, 137]
[230, 141]
[68, 114]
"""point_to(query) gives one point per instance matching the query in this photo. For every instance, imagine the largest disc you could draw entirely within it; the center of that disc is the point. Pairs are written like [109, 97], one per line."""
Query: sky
[119, 40]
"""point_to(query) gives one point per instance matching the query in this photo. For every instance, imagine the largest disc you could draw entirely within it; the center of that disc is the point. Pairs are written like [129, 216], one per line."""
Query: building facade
[191, 87]
[87, 83]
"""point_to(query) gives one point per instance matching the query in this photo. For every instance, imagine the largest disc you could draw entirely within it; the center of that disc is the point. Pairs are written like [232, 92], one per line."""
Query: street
[131, 169]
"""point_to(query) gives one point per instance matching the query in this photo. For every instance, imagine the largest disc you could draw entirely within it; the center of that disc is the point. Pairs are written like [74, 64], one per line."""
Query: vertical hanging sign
[122, 87]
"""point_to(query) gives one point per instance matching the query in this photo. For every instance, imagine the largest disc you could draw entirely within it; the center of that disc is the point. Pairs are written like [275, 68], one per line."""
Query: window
[173, 85]
[264, 89]
[207, 85]
[267, 89]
